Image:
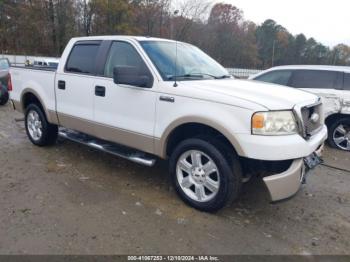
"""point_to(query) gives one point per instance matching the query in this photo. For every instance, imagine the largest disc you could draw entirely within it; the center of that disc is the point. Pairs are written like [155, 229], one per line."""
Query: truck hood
[270, 96]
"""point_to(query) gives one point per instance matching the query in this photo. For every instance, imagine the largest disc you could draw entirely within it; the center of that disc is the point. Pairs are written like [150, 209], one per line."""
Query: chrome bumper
[287, 184]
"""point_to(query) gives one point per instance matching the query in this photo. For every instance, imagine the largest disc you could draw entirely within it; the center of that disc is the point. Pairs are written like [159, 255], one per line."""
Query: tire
[4, 95]
[39, 131]
[227, 177]
[339, 133]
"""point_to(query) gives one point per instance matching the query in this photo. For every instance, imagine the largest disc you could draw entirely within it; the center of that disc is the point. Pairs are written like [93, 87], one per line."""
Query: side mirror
[130, 75]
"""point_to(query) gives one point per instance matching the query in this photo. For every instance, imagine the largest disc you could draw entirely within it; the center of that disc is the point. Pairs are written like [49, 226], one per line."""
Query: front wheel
[204, 175]
[339, 133]
[39, 130]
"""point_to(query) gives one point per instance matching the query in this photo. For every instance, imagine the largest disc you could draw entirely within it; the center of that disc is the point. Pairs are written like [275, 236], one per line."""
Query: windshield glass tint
[192, 63]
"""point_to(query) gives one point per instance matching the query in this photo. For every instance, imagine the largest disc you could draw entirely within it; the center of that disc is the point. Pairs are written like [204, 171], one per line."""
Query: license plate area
[312, 161]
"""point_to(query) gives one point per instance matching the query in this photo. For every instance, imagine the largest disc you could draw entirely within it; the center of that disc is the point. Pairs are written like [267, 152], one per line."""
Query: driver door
[124, 114]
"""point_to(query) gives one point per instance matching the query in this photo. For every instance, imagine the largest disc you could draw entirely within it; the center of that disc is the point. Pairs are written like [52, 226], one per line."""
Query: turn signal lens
[274, 123]
[258, 121]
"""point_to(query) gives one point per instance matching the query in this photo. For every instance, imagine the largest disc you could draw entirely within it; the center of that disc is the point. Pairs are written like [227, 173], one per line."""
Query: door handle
[61, 85]
[100, 91]
[167, 99]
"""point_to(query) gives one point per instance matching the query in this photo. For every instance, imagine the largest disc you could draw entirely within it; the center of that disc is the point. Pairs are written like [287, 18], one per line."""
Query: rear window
[318, 79]
[347, 81]
[82, 59]
[280, 77]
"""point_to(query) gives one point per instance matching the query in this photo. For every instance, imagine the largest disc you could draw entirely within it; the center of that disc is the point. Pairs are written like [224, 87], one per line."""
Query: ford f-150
[146, 98]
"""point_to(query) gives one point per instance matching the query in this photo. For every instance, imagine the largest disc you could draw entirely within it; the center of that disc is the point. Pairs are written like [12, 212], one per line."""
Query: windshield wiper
[185, 76]
[199, 75]
[223, 77]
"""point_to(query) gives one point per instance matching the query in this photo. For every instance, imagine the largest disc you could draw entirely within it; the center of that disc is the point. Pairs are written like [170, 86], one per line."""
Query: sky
[327, 21]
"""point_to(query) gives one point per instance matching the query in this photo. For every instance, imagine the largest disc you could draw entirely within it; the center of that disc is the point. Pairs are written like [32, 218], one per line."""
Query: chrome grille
[312, 119]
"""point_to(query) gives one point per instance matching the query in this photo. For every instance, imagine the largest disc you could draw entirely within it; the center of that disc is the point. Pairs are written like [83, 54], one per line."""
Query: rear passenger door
[326, 84]
[75, 87]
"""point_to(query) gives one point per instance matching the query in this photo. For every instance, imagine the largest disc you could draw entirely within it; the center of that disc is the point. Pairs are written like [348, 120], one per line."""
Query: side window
[82, 59]
[318, 79]
[347, 81]
[124, 54]
[280, 77]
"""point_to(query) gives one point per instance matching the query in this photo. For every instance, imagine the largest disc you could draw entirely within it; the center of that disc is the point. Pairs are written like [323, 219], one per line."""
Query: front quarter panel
[228, 120]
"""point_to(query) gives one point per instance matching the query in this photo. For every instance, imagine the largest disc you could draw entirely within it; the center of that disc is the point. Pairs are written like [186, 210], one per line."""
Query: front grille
[312, 119]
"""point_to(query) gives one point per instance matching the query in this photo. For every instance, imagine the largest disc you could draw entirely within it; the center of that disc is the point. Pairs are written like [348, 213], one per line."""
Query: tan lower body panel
[50, 114]
[286, 184]
[120, 136]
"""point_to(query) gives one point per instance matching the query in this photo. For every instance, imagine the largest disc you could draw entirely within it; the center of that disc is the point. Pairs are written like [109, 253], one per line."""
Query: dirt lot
[69, 199]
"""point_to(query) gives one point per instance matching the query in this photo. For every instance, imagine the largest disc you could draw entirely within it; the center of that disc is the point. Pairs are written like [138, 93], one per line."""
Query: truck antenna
[175, 76]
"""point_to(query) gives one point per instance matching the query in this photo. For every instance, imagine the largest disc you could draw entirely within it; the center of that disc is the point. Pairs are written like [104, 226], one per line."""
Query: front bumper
[285, 185]
[275, 148]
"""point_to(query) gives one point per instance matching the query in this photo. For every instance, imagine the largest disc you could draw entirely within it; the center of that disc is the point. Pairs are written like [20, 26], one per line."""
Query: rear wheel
[203, 176]
[339, 133]
[39, 130]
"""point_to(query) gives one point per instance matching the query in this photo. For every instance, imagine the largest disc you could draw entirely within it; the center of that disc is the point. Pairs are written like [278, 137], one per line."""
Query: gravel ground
[69, 199]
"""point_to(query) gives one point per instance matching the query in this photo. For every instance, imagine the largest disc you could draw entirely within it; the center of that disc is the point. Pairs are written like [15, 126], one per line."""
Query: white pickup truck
[146, 98]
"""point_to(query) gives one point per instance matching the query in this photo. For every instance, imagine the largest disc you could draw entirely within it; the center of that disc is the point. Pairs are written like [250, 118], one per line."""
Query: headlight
[274, 123]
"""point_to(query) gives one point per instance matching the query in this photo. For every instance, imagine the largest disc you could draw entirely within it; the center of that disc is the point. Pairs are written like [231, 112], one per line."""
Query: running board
[108, 147]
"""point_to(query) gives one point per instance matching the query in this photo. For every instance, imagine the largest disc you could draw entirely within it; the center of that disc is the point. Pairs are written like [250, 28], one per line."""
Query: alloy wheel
[341, 137]
[198, 175]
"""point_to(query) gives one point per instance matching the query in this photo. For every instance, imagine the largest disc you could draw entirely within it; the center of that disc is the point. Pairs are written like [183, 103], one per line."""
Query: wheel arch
[331, 118]
[30, 96]
[191, 127]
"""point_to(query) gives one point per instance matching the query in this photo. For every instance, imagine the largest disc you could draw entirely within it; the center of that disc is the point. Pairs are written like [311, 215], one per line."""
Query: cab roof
[122, 37]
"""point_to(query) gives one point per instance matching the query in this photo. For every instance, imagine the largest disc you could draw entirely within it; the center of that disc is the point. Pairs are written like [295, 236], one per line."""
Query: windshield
[192, 63]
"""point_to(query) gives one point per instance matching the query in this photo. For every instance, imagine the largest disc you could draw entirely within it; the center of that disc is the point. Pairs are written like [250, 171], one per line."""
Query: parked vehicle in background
[50, 63]
[4, 77]
[331, 83]
[123, 95]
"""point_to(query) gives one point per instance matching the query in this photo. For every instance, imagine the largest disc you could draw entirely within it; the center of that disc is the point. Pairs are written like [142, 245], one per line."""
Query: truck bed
[42, 68]
[36, 80]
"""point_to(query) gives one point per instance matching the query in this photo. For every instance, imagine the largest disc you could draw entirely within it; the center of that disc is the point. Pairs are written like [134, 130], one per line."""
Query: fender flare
[161, 144]
[51, 116]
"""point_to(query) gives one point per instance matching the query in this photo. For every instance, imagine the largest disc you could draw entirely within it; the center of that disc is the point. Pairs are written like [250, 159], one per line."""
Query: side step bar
[108, 147]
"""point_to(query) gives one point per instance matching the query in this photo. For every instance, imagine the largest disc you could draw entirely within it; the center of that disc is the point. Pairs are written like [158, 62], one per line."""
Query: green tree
[299, 49]
[112, 17]
[341, 55]
[272, 38]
